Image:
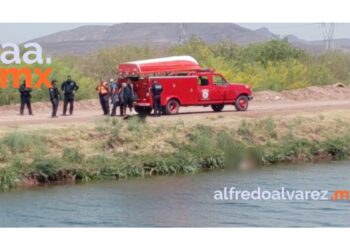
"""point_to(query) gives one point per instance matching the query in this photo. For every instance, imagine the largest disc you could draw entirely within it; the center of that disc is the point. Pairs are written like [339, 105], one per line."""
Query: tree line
[273, 65]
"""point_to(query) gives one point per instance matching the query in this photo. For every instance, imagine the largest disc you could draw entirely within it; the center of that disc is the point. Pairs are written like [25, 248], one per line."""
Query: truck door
[218, 92]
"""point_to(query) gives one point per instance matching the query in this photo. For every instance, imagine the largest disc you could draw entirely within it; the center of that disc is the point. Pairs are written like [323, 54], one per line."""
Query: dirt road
[266, 103]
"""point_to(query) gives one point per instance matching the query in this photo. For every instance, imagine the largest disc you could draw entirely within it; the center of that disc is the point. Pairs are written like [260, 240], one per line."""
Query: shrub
[8, 179]
[73, 155]
[19, 142]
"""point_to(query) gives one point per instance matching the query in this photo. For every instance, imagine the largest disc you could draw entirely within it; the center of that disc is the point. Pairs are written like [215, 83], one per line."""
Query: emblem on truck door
[205, 94]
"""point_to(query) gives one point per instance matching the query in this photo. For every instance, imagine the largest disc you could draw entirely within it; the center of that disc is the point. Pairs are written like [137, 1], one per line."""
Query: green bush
[18, 142]
[8, 179]
[73, 155]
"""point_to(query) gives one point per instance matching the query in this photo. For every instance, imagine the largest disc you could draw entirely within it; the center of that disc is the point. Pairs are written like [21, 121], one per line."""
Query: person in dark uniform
[115, 98]
[121, 98]
[128, 96]
[26, 97]
[69, 87]
[103, 93]
[55, 97]
[156, 91]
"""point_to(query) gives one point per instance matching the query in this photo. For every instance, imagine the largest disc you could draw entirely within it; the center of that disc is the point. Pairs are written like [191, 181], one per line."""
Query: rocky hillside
[90, 38]
[87, 39]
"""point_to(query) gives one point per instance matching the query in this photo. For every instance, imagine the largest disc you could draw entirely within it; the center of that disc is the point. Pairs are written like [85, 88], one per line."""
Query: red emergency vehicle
[184, 83]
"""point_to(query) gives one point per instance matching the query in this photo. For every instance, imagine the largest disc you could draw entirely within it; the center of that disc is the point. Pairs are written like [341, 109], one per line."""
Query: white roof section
[165, 59]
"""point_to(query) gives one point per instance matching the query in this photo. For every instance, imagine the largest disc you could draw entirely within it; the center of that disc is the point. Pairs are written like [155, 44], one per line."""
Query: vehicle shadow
[207, 112]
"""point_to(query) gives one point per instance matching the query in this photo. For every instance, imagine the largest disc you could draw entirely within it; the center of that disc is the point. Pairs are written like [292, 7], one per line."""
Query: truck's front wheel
[241, 103]
[172, 107]
[218, 108]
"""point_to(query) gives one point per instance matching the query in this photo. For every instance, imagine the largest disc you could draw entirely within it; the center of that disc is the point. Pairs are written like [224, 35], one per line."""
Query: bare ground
[265, 103]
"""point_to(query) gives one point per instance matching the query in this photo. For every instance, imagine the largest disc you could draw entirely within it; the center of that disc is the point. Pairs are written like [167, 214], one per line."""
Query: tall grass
[135, 123]
[8, 179]
[73, 155]
[19, 142]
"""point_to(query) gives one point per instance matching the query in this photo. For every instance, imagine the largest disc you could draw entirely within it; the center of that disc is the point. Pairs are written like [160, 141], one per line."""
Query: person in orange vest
[103, 92]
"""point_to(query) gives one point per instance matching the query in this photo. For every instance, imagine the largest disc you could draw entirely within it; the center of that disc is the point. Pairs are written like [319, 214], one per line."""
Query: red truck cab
[184, 83]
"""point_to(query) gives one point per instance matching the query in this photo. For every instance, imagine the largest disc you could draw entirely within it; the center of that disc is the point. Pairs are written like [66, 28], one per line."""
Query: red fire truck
[184, 83]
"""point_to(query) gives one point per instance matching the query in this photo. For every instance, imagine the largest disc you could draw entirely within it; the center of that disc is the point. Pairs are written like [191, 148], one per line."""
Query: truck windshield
[218, 80]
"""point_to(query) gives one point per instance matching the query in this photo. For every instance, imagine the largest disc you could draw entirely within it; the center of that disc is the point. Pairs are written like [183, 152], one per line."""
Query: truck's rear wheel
[143, 110]
[218, 108]
[241, 103]
[172, 107]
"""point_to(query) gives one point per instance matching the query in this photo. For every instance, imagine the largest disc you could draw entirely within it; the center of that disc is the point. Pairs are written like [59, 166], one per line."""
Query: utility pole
[328, 32]
[182, 34]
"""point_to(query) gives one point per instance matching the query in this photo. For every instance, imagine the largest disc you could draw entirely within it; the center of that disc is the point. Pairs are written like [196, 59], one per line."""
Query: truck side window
[203, 81]
[218, 80]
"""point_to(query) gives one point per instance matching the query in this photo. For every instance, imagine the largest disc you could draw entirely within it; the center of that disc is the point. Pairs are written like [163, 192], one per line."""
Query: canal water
[184, 201]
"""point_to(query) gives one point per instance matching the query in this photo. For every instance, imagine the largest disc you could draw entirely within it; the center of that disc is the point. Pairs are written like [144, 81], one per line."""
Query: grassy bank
[119, 149]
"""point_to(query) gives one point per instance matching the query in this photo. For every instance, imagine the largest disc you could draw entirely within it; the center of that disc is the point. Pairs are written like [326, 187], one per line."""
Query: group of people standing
[122, 96]
[118, 95]
[69, 88]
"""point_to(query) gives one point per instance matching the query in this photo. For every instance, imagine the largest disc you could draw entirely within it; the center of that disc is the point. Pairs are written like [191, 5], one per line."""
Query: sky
[309, 31]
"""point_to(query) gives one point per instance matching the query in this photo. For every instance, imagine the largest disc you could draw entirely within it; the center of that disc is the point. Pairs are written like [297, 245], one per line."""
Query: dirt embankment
[337, 91]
